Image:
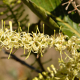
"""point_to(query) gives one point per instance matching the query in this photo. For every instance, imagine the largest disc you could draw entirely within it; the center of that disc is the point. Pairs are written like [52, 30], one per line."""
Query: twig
[23, 62]
[73, 2]
[39, 62]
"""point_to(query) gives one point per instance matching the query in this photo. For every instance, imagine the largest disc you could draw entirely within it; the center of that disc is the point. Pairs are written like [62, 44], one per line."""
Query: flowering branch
[38, 42]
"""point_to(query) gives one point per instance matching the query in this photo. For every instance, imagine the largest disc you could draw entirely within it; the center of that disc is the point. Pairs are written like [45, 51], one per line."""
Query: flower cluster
[35, 42]
[68, 70]
[38, 42]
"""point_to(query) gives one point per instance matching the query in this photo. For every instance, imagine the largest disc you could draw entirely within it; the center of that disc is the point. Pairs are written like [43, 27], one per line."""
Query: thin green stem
[14, 16]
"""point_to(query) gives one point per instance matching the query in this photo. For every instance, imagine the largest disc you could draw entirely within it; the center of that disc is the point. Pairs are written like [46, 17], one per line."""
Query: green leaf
[70, 27]
[48, 5]
[42, 14]
[50, 10]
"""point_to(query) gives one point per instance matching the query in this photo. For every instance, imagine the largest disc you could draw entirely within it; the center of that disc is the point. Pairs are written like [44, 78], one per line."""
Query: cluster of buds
[11, 2]
[75, 4]
[52, 70]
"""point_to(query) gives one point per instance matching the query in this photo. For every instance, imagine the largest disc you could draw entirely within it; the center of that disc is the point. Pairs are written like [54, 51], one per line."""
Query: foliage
[51, 10]
[13, 11]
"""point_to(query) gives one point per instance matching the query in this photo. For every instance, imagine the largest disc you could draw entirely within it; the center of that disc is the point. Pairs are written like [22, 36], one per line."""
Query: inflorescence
[68, 70]
[35, 42]
[38, 42]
